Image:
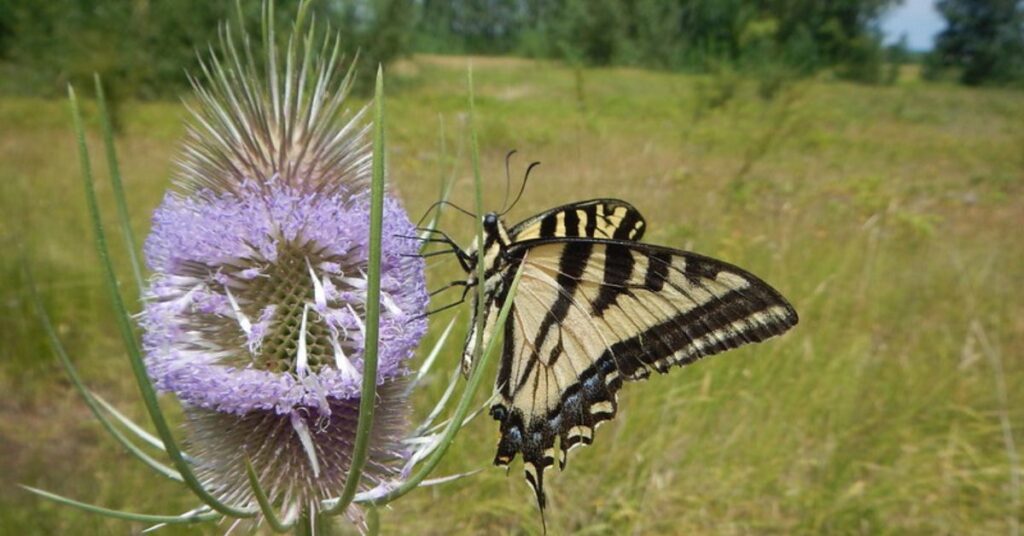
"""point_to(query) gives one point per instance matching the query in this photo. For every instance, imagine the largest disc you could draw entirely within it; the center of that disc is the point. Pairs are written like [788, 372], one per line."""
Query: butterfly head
[495, 233]
[496, 241]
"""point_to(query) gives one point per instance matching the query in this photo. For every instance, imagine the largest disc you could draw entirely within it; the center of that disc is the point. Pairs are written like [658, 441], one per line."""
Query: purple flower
[255, 313]
[258, 298]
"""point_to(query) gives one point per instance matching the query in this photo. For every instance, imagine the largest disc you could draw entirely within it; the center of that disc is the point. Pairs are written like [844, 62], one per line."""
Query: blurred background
[865, 157]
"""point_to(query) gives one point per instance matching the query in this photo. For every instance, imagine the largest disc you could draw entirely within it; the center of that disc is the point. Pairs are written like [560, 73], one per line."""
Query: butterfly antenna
[521, 188]
[508, 178]
[446, 203]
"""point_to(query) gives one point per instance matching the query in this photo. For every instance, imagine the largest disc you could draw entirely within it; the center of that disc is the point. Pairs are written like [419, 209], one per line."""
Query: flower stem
[269, 515]
[481, 355]
[372, 521]
[368, 396]
[310, 524]
[474, 151]
[184, 519]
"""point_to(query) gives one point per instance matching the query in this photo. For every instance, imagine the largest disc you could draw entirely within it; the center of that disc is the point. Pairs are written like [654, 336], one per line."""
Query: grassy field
[886, 214]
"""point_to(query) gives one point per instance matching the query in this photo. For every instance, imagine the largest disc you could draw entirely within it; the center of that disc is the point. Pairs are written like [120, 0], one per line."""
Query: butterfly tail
[537, 456]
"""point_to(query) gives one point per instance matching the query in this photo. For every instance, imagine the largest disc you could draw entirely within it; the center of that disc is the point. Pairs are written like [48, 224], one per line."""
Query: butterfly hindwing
[590, 314]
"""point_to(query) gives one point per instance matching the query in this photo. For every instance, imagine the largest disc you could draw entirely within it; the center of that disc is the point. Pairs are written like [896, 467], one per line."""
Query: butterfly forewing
[590, 314]
[598, 218]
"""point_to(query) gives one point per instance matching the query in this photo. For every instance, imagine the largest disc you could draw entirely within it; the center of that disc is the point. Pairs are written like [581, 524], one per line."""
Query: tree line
[674, 34]
[143, 47]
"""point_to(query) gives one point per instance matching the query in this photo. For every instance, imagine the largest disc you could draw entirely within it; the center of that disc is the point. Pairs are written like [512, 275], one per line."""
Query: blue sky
[916, 18]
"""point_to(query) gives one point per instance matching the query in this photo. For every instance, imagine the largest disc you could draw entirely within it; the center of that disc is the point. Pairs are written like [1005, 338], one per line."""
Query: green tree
[144, 47]
[983, 40]
[380, 30]
[587, 31]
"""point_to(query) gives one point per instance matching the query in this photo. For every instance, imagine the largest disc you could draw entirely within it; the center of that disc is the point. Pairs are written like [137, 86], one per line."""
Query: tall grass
[887, 215]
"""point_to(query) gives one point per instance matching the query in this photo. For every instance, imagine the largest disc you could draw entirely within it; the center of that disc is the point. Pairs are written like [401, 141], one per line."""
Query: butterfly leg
[465, 292]
[464, 258]
[458, 283]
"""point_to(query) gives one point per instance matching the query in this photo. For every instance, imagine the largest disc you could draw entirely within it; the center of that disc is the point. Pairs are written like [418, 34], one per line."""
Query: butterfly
[596, 308]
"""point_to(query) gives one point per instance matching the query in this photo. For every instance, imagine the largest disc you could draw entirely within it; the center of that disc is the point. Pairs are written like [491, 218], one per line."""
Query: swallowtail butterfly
[596, 308]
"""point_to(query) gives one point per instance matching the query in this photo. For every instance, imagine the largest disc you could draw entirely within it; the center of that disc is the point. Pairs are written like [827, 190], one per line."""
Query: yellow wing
[597, 218]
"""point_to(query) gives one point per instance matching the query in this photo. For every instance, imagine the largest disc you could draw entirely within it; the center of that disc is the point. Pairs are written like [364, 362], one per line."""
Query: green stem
[372, 521]
[480, 356]
[310, 525]
[479, 196]
[139, 432]
[368, 396]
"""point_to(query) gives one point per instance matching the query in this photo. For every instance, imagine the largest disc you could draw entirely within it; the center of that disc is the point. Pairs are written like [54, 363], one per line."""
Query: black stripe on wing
[597, 218]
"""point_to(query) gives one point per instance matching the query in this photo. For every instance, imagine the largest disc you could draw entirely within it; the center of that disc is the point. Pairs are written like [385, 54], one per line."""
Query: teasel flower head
[254, 314]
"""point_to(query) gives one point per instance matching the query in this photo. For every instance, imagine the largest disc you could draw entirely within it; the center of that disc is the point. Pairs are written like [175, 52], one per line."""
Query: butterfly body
[596, 308]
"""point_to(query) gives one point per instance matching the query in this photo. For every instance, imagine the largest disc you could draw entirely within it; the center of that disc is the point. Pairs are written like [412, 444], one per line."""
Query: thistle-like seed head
[255, 312]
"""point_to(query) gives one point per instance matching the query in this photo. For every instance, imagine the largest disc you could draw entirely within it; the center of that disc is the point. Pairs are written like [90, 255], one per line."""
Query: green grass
[887, 215]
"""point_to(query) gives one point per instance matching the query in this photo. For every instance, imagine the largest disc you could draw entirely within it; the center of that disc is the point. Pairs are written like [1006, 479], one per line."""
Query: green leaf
[124, 326]
[198, 517]
[261, 497]
[90, 400]
[115, 179]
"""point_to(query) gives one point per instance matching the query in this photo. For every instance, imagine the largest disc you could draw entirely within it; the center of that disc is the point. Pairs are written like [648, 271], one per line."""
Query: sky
[916, 18]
